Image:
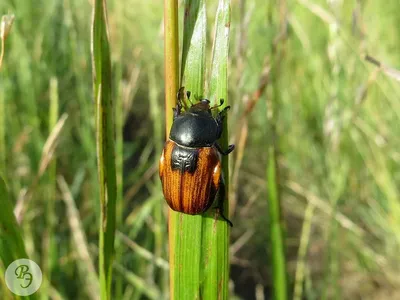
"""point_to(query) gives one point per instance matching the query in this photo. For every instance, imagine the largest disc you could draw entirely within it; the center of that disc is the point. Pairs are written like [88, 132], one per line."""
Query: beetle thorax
[194, 129]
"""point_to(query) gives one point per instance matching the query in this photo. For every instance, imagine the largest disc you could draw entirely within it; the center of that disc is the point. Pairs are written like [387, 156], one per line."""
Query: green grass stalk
[276, 223]
[171, 74]
[48, 241]
[185, 231]
[105, 144]
[276, 226]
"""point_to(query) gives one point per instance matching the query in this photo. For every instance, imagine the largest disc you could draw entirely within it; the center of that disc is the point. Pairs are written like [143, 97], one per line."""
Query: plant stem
[171, 55]
[276, 222]
[171, 69]
[276, 229]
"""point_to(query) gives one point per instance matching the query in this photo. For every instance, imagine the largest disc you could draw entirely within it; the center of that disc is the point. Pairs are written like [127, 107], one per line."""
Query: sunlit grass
[337, 128]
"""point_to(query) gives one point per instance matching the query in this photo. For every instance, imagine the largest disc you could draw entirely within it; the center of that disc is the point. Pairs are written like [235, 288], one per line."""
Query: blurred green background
[337, 128]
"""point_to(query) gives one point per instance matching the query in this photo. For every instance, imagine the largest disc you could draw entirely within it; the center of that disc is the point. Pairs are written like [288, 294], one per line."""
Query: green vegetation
[307, 110]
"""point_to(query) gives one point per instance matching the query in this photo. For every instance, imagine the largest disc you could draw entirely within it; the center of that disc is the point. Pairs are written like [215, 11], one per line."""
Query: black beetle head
[202, 105]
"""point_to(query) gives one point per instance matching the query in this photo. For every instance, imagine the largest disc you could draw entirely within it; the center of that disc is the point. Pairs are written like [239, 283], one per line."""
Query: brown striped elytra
[190, 166]
[190, 192]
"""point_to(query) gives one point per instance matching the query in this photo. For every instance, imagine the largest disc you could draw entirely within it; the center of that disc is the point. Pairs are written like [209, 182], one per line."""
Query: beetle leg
[177, 110]
[221, 114]
[179, 94]
[221, 101]
[220, 203]
[230, 149]
[225, 109]
[219, 119]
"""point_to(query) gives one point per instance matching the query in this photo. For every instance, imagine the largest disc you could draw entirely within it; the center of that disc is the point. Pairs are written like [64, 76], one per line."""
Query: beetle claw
[225, 109]
[230, 149]
[221, 214]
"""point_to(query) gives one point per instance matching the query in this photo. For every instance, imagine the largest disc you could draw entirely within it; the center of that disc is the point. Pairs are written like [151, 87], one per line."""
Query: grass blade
[11, 243]
[199, 260]
[105, 144]
[48, 244]
[219, 241]
[185, 231]
[194, 47]
[171, 66]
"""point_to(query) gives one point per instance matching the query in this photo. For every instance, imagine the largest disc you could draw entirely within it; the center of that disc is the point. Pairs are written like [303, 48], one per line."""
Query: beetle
[190, 166]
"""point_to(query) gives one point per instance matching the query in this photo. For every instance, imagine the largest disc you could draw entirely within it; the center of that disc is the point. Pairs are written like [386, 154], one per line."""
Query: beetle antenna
[225, 109]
